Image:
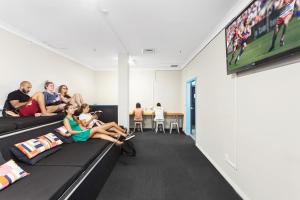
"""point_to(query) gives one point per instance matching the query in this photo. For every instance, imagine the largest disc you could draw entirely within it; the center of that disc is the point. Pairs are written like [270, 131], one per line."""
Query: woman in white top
[89, 121]
[159, 113]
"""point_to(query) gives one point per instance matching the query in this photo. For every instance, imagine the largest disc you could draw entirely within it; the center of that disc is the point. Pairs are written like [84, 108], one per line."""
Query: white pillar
[123, 89]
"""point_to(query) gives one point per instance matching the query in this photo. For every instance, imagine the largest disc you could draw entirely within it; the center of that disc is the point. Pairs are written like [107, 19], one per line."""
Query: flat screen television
[264, 30]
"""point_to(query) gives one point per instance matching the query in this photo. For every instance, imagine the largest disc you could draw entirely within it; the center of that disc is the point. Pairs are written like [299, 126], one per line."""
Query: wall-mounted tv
[265, 30]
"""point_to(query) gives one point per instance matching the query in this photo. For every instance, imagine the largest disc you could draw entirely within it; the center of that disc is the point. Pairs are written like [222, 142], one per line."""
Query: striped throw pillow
[33, 147]
[10, 172]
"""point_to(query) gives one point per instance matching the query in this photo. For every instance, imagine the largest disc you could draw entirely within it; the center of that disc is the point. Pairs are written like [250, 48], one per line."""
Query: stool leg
[171, 127]
[178, 128]
[163, 126]
[141, 127]
[134, 127]
[156, 127]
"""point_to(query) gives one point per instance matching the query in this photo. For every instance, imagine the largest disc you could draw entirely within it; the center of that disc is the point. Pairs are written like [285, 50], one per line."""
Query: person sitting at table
[159, 113]
[138, 113]
[51, 97]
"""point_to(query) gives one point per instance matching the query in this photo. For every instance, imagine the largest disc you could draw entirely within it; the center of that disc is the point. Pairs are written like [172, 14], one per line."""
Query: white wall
[254, 119]
[21, 60]
[146, 86]
[107, 87]
[24, 60]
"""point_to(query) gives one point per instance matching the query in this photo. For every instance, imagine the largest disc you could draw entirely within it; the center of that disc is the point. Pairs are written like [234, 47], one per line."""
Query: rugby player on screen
[286, 8]
[241, 36]
[235, 42]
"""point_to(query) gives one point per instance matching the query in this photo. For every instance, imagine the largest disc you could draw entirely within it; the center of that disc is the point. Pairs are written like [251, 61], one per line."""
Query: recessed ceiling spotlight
[173, 65]
[104, 11]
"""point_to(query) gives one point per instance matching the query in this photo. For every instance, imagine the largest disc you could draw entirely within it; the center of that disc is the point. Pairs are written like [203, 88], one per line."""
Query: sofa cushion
[65, 139]
[26, 122]
[76, 154]
[2, 160]
[22, 157]
[61, 132]
[7, 124]
[44, 182]
[10, 172]
[7, 141]
[36, 146]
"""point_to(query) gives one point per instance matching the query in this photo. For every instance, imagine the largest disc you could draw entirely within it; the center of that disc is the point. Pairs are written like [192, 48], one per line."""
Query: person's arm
[64, 99]
[68, 127]
[280, 5]
[17, 104]
[84, 122]
[249, 31]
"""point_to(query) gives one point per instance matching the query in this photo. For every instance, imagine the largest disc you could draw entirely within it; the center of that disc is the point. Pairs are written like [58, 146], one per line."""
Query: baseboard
[222, 172]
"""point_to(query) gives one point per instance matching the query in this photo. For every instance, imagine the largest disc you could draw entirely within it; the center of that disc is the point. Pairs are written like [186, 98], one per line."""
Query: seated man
[20, 104]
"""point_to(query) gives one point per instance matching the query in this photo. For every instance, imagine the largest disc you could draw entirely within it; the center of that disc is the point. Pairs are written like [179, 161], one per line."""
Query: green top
[74, 125]
[84, 135]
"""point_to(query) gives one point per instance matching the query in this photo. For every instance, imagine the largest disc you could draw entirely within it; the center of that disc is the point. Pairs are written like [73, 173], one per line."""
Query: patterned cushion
[62, 130]
[33, 147]
[61, 134]
[22, 157]
[10, 172]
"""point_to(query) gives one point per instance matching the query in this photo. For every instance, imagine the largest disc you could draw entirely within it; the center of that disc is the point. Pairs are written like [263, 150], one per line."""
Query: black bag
[128, 149]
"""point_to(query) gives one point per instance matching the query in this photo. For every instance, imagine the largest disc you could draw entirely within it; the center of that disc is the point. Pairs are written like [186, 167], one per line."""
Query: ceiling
[93, 32]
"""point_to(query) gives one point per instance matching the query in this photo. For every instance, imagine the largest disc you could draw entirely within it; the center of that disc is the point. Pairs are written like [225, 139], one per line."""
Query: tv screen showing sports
[266, 29]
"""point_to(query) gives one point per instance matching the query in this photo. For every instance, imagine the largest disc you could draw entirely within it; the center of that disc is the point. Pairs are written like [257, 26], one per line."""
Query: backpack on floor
[128, 149]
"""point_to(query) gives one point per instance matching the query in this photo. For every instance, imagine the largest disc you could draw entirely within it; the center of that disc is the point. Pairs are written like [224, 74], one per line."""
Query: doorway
[191, 108]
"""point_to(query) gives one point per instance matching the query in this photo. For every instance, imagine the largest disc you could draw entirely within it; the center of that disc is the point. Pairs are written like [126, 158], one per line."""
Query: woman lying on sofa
[81, 134]
[88, 121]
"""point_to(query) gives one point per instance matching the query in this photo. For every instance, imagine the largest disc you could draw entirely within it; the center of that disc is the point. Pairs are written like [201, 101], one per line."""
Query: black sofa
[77, 171]
[110, 112]
[8, 124]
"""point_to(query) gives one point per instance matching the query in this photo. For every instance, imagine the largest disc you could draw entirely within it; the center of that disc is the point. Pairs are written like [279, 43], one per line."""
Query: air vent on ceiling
[173, 65]
[148, 51]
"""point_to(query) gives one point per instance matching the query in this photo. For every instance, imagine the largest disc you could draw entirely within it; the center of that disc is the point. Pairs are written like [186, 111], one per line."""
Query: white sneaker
[129, 137]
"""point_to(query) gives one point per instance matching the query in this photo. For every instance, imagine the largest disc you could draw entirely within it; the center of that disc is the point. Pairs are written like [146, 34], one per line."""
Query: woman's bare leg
[106, 126]
[78, 99]
[72, 101]
[117, 131]
[96, 130]
[106, 137]
[112, 124]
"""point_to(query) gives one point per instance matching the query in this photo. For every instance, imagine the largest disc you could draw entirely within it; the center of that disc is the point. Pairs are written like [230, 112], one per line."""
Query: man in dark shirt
[20, 104]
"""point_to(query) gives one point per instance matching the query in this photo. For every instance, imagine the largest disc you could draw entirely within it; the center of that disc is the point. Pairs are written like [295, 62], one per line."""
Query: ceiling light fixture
[131, 61]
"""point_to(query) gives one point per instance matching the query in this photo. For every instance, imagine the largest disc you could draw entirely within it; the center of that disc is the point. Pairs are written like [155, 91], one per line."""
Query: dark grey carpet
[167, 167]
